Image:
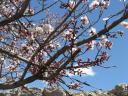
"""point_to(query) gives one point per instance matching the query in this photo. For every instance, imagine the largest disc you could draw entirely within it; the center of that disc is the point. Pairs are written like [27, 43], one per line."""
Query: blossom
[39, 29]
[84, 1]
[72, 4]
[105, 3]
[84, 20]
[103, 37]
[36, 32]
[68, 34]
[51, 46]
[125, 24]
[2, 59]
[105, 42]
[55, 44]
[74, 85]
[91, 44]
[45, 53]
[74, 49]
[11, 68]
[0, 16]
[48, 28]
[92, 31]
[94, 4]
[29, 11]
[105, 19]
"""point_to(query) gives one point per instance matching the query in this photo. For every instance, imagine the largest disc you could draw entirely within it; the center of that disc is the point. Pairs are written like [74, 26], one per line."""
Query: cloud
[85, 72]
[45, 82]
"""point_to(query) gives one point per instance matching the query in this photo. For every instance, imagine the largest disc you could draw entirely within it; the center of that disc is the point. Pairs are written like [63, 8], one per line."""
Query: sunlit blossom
[48, 28]
[105, 3]
[94, 4]
[68, 34]
[125, 24]
[39, 29]
[11, 68]
[84, 20]
[91, 44]
[92, 31]
[105, 19]
[72, 4]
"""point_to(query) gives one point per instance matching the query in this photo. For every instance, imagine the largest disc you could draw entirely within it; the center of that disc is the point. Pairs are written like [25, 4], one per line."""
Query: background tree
[47, 39]
[118, 91]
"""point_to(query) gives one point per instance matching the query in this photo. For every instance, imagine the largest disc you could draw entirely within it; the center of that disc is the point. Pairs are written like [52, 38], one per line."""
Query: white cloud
[45, 83]
[85, 72]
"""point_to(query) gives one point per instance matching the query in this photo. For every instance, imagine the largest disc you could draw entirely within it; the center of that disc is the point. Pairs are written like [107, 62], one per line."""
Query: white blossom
[2, 58]
[29, 11]
[72, 4]
[51, 45]
[48, 28]
[103, 37]
[11, 68]
[0, 16]
[84, 20]
[91, 44]
[105, 3]
[74, 49]
[92, 31]
[125, 24]
[68, 34]
[94, 4]
[105, 19]
[103, 40]
[39, 29]
[57, 44]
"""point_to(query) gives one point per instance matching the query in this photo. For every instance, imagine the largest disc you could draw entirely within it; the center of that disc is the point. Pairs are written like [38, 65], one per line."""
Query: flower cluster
[69, 34]
[72, 4]
[74, 85]
[29, 11]
[105, 42]
[8, 7]
[53, 43]
[90, 45]
[92, 31]
[84, 20]
[96, 3]
[11, 68]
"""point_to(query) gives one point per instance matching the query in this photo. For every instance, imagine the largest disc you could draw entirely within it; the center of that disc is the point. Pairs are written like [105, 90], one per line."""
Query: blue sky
[107, 78]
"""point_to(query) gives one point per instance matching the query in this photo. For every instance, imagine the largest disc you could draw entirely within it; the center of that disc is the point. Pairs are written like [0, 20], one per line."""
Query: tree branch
[103, 31]
[13, 55]
[63, 65]
[17, 14]
[19, 83]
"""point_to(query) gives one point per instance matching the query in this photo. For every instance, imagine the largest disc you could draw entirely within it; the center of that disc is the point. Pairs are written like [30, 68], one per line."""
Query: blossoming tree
[47, 39]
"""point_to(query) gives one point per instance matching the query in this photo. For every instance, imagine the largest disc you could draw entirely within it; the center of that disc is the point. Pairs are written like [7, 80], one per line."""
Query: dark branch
[17, 15]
